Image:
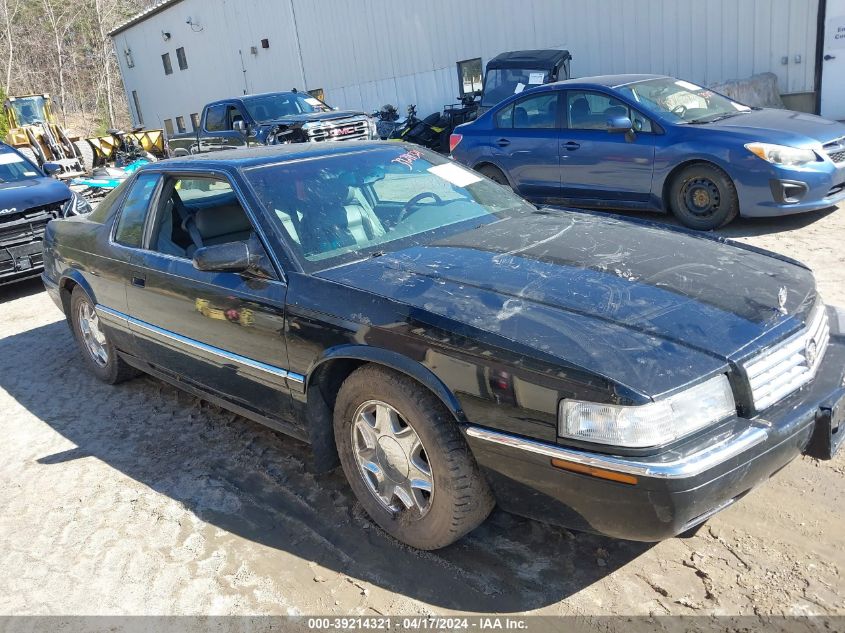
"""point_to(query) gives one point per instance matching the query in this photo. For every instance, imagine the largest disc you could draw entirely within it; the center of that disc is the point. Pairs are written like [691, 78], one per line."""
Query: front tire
[703, 197]
[406, 461]
[97, 348]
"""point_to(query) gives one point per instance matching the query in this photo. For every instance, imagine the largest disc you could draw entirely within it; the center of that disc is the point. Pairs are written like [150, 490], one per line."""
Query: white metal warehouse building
[362, 54]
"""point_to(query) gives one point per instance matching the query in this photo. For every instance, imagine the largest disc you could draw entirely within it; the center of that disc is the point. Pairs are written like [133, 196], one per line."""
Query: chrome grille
[346, 130]
[778, 372]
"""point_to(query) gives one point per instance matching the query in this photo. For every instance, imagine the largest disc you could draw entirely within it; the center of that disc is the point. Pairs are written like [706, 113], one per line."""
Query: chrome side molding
[682, 468]
[291, 379]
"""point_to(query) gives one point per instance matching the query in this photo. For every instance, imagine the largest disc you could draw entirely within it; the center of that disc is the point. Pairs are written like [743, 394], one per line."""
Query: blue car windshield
[14, 168]
[271, 107]
[682, 101]
[341, 208]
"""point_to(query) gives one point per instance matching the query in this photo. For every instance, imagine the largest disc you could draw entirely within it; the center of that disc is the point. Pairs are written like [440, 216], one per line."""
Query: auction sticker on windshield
[8, 158]
[455, 174]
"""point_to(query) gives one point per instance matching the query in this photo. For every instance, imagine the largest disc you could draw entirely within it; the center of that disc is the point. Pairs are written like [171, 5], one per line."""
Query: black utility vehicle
[454, 345]
[270, 119]
[512, 72]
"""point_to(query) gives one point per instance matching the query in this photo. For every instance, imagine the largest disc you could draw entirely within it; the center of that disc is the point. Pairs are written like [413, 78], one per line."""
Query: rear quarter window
[103, 211]
[133, 215]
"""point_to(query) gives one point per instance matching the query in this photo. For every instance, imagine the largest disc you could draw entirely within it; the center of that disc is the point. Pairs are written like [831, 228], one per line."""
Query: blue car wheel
[703, 197]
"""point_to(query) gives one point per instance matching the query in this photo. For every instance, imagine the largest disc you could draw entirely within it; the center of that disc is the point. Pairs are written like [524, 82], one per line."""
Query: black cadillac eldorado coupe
[454, 346]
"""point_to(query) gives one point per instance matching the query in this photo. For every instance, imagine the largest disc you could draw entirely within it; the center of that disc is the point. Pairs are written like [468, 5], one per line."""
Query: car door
[599, 167]
[525, 144]
[219, 132]
[220, 331]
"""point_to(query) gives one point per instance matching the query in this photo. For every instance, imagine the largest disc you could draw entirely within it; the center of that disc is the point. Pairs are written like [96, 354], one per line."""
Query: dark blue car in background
[29, 199]
[656, 143]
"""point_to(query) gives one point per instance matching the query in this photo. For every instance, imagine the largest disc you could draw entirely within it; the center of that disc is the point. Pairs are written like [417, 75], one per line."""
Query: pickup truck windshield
[682, 101]
[342, 208]
[271, 107]
[14, 168]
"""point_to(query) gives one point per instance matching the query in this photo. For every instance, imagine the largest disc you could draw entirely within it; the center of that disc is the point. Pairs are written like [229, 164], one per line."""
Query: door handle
[503, 142]
[139, 281]
[571, 146]
[827, 58]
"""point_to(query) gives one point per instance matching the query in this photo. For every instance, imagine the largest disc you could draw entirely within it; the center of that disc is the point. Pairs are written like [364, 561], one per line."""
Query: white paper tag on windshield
[519, 88]
[536, 78]
[313, 101]
[455, 174]
[687, 85]
[740, 107]
[29, 174]
[7, 158]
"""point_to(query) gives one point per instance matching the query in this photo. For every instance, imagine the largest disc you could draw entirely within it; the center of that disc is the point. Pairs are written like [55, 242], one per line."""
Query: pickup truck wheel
[495, 174]
[406, 461]
[703, 197]
[97, 350]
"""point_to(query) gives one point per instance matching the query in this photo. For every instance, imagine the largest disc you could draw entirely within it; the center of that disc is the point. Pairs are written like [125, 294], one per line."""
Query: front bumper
[776, 191]
[20, 262]
[675, 490]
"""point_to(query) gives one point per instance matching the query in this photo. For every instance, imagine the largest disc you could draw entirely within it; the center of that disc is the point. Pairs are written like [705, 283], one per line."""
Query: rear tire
[86, 155]
[703, 197]
[495, 174]
[97, 348]
[406, 460]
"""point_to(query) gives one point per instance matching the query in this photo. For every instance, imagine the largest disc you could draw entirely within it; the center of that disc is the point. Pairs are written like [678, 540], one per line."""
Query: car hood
[315, 116]
[32, 192]
[774, 125]
[641, 305]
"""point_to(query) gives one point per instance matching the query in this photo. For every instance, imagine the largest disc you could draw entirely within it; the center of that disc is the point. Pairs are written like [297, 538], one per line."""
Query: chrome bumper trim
[291, 379]
[689, 466]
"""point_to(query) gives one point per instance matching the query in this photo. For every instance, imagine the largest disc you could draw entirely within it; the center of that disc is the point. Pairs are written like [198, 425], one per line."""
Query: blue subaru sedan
[656, 143]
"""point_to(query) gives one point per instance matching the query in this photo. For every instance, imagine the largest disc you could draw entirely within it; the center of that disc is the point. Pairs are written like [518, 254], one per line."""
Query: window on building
[180, 124]
[469, 75]
[180, 57]
[130, 61]
[195, 121]
[168, 126]
[168, 67]
[137, 103]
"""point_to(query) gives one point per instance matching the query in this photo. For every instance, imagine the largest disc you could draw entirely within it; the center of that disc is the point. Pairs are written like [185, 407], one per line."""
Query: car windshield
[275, 106]
[342, 208]
[14, 168]
[29, 110]
[501, 83]
[682, 101]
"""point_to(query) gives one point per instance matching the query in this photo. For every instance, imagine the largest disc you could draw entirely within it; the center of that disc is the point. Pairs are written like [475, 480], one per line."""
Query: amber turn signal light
[594, 472]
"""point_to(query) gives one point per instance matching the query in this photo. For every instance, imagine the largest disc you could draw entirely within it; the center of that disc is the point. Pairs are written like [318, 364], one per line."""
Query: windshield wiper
[718, 117]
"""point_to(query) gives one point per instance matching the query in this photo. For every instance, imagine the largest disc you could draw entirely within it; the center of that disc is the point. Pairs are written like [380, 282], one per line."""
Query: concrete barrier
[759, 90]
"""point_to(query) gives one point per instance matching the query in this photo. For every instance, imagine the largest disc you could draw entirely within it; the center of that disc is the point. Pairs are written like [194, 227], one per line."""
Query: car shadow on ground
[239, 476]
[21, 289]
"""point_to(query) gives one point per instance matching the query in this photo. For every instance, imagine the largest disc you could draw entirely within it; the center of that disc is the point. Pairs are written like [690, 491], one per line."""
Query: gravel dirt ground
[140, 499]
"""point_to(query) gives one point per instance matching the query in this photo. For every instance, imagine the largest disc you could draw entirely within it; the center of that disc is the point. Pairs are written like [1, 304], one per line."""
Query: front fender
[395, 361]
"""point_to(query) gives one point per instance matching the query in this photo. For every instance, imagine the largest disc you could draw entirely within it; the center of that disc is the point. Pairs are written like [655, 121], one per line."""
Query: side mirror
[232, 257]
[51, 169]
[619, 124]
[235, 257]
[240, 126]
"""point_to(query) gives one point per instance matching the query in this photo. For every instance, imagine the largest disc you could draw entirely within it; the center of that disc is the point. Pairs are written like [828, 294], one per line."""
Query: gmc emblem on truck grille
[342, 131]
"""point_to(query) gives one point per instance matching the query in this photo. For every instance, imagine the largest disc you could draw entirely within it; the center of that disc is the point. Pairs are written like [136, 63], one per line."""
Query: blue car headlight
[782, 154]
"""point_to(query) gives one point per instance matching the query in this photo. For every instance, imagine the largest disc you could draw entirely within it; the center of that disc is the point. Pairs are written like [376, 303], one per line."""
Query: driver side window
[196, 212]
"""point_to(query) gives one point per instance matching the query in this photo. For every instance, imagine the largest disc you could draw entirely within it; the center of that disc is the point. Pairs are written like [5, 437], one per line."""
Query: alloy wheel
[391, 459]
[92, 335]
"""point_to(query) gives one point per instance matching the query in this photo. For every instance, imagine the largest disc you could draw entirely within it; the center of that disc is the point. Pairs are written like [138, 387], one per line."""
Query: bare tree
[10, 11]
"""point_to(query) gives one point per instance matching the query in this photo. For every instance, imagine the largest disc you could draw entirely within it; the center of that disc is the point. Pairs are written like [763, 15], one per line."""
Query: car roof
[267, 154]
[257, 94]
[609, 81]
[542, 58]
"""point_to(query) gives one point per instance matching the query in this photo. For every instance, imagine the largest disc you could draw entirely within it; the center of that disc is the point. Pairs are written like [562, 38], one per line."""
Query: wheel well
[66, 287]
[677, 169]
[323, 386]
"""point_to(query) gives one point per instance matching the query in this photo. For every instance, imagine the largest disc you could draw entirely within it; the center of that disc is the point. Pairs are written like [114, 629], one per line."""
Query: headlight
[373, 129]
[650, 424]
[781, 154]
[77, 205]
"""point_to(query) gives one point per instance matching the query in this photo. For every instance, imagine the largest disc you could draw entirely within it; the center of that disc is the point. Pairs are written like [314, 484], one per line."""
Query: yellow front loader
[35, 132]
